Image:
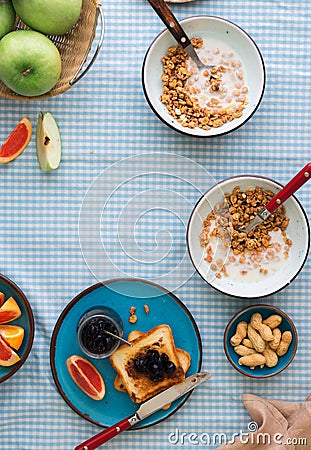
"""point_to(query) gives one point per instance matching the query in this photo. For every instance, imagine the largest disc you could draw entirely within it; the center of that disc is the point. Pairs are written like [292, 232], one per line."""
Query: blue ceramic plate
[245, 315]
[26, 321]
[120, 295]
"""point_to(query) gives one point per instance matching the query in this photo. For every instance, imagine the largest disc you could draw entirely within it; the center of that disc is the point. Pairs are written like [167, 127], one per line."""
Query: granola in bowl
[251, 265]
[208, 103]
[203, 98]
[259, 251]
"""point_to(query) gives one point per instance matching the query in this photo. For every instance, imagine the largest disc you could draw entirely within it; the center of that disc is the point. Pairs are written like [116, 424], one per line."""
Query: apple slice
[48, 142]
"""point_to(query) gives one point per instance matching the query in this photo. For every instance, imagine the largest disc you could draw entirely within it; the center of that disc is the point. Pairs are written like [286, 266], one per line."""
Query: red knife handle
[291, 187]
[104, 436]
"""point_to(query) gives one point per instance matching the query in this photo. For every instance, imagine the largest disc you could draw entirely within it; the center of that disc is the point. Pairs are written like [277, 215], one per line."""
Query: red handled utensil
[146, 409]
[289, 189]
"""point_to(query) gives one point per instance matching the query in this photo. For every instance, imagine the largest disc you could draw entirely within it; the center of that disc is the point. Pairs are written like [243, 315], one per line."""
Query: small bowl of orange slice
[16, 328]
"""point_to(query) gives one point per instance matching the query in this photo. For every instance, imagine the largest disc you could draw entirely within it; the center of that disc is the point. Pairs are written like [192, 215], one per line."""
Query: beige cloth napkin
[281, 425]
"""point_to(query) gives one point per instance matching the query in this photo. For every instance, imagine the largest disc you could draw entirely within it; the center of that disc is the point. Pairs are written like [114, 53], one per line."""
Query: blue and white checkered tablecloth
[104, 119]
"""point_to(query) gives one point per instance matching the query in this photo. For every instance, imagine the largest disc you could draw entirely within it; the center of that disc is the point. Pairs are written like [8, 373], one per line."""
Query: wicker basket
[74, 48]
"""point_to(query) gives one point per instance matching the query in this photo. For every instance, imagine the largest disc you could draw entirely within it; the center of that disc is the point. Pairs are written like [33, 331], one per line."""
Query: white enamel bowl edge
[298, 231]
[224, 32]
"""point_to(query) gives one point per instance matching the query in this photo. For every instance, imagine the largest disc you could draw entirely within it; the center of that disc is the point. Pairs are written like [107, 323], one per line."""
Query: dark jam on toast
[152, 363]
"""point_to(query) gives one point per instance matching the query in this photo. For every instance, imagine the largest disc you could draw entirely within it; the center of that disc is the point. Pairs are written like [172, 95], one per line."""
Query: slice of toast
[183, 357]
[134, 335]
[118, 382]
[139, 385]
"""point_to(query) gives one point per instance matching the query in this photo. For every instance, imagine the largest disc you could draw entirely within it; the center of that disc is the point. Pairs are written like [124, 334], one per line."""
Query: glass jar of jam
[91, 331]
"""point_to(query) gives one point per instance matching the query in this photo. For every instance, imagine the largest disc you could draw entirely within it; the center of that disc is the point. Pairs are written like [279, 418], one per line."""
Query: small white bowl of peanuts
[253, 265]
[204, 102]
[260, 341]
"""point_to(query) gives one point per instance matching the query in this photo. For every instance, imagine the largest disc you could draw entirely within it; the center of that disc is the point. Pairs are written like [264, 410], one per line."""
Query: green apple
[48, 142]
[7, 17]
[30, 63]
[49, 16]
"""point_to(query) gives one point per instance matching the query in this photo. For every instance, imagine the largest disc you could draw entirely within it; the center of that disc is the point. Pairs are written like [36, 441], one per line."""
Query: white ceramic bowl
[249, 286]
[228, 35]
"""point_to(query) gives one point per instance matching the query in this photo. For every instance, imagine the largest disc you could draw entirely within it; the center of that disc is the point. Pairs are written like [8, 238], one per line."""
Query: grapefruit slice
[86, 376]
[16, 142]
[13, 335]
[9, 311]
[7, 355]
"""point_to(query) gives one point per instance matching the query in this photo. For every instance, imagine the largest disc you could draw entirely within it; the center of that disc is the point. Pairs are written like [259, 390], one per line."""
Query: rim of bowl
[274, 309]
[256, 177]
[30, 316]
[190, 133]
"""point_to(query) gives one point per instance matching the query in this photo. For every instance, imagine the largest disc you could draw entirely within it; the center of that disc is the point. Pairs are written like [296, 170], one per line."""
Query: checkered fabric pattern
[104, 119]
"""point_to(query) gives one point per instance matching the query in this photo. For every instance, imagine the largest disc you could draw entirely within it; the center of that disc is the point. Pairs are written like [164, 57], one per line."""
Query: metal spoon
[291, 187]
[172, 24]
[179, 1]
[119, 338]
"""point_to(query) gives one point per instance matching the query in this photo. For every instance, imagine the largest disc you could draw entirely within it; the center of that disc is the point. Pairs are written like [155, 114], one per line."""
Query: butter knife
[146, 409]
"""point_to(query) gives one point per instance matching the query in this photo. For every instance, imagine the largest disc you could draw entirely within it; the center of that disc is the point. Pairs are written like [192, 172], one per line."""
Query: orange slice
[86, 376]
[2, 298]
[7, 355]
[16, 142]
[13, 335]
[9, 311]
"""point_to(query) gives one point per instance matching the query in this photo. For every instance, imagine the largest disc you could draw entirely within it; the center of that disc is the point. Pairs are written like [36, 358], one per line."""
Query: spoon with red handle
[291, 187]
